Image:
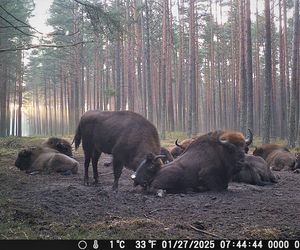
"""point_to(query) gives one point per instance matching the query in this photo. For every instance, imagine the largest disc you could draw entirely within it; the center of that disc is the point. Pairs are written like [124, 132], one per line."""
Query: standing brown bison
[45, 160]
[207, 164]
[128, 136]
[61, 145]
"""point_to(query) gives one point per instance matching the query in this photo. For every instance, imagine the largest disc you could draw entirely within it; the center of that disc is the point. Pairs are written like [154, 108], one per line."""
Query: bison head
[147, 170]
[64, 149]
[61, 145]
[235, 144]
[236, 139]
[23, 160]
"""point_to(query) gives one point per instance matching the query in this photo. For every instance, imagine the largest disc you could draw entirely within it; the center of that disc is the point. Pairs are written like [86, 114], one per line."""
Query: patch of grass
[126, 228]
[10, 231]
[172, 136]
[262, 233]
[20, 142]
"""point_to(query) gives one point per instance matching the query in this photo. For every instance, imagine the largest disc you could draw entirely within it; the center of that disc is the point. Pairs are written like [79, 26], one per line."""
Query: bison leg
[87, 158]
[117, 167]
[95, 158]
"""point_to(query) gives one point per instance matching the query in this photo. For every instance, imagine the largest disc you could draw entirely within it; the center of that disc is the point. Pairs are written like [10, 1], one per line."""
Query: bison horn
[249, 138]
[158, 157]
[178, 145]
[223, 141]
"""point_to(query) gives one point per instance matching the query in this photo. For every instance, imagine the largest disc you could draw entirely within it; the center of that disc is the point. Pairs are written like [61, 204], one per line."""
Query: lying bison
[61, 145]
[281, 160]
[266, 149]
[255, 171]
[277, 157]
[179, 148]
[207, 164]
[45, 160]
[128, 136]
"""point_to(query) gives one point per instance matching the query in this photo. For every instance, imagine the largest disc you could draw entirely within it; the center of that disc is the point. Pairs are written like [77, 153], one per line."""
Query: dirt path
[56, 206]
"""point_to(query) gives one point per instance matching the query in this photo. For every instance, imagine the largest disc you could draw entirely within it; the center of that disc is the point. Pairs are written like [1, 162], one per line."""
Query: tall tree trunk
[295, 77]
[286, 59]
[148, 64]
[192, 71]
[180, 77]
[243, 79]
[3, 98]
[268, 76]
[283, 102]
[249, 68]
[164, 70]
[20, 92]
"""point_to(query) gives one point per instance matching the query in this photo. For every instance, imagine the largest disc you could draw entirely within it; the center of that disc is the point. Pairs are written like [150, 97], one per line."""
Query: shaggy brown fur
[207, 164]
[255, 171]
[128, 136]
[277, 157]
[45, 160]
[266, 149]
[281, 160]
[61, 145]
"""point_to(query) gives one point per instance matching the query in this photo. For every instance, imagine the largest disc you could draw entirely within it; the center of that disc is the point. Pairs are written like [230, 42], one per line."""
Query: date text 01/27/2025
[204, 244]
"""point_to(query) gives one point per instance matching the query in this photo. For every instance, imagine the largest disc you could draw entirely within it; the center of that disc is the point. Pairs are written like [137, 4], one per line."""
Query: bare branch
[17, 27]
[8, 13]
[42, 46]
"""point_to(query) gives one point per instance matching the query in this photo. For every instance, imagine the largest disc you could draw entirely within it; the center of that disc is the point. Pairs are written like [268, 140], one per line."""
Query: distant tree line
[186, 65]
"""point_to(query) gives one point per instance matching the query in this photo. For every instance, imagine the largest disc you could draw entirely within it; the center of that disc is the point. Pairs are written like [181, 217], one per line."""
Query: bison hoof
[297, 171]
[95, 183]
[161, 193]
[115, 188]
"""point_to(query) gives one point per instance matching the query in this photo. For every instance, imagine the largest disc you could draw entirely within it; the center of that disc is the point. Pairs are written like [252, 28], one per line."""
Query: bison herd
[206, 162]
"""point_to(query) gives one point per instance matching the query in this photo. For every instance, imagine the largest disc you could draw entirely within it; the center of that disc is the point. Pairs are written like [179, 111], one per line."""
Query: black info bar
[147, 244]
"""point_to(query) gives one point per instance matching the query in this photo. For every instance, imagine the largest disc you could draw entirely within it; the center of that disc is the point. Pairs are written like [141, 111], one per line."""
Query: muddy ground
[61, 207]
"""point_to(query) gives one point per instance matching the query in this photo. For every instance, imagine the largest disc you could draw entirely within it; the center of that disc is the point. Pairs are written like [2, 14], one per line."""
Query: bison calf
[207, 164]
[45, 160]
[255, 171]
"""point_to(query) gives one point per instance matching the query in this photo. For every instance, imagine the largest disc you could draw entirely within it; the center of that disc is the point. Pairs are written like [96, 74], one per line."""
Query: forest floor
[61, 207]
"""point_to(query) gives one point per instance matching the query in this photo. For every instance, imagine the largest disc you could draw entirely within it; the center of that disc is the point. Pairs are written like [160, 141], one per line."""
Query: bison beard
[207, 164]
[128, 136]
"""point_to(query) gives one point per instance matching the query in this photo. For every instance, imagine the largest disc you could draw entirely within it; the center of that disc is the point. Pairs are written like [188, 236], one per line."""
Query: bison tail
[77, 137]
